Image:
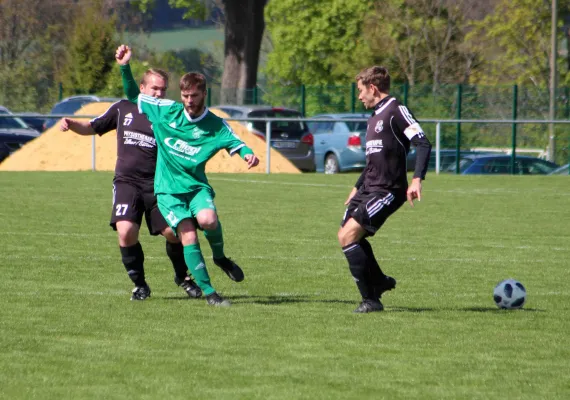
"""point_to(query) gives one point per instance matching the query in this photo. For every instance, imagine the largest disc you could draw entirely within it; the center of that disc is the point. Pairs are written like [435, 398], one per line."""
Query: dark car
[34, 120]
[447, 158]
[501, 164]
[291, 138]
[14, 133]
[71, 104]
[563, 170]
[339, 145]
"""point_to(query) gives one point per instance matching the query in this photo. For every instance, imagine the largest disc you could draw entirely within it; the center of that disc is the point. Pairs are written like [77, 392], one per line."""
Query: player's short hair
[155, 71]
[377, 76]
[192, 79]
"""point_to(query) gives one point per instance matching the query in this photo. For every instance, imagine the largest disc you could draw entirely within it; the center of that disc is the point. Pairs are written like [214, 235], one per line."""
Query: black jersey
[391, 129]
[136, 145]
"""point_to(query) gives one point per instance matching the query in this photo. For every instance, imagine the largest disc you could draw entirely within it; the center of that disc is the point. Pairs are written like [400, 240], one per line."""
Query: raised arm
[130, 86]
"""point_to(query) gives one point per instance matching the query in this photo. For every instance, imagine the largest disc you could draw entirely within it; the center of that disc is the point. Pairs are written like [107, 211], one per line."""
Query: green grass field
[69, 331]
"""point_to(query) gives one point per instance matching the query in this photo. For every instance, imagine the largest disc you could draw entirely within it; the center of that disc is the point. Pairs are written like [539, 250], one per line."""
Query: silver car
[339, 145]
[291, 138]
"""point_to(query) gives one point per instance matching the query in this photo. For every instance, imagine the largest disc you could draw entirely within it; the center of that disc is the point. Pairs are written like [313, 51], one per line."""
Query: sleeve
[409, 126]
[231, 142]
[153, 108]
[107, 121]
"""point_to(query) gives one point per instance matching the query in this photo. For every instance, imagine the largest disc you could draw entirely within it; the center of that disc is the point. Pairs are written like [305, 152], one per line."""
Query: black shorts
[130, 203]
[371, 210]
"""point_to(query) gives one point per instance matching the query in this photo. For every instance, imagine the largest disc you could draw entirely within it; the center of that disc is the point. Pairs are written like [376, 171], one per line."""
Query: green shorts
[176, 207]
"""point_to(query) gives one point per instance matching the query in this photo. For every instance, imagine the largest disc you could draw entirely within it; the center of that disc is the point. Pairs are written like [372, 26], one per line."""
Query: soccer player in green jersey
[187, 136]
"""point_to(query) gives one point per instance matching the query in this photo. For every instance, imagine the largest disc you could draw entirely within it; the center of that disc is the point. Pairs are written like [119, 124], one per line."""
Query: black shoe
[389, 283]
[189, 286]
[140, 293]
[215, 299]
[368, 306]
[230, 268]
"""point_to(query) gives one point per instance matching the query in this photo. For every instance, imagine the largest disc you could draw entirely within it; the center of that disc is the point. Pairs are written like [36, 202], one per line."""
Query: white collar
[194, 120]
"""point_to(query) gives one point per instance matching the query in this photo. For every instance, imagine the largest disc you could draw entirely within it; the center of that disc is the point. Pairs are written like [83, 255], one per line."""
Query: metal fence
[510, 144]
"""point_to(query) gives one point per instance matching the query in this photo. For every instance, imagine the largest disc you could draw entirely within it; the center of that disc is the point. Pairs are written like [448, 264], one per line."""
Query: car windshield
[293, 128]
[11, 122]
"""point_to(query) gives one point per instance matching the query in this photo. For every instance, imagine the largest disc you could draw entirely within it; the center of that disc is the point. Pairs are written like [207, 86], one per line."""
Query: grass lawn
[69, 331]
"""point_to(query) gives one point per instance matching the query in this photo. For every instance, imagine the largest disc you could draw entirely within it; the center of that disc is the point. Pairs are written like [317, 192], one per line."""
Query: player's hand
[123, 54]
[415, 191]
[350, 196]
[64, 124]
[252, 160]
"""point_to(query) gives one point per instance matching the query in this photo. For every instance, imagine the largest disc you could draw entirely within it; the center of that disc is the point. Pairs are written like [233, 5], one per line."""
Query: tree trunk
[243, 33]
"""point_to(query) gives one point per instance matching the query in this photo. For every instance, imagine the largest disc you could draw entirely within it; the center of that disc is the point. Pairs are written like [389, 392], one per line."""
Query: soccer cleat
[389, 283]
[232, 270]
[215, 299]
[191, 288]
[140, 292]
[368, 306]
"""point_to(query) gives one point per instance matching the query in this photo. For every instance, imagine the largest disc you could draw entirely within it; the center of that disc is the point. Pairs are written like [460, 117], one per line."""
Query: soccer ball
[509, 294]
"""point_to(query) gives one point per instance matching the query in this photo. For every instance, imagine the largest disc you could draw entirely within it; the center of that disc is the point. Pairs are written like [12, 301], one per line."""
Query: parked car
[446, 158]
[291, 138]
[501, 164]
[339, 145]
[563, 170]
[14, 133]
[71, 104]
[34, 120]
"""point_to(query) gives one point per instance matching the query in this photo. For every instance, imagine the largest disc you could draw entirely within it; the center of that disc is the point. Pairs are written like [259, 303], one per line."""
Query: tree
[515, 42]
[27, 60]
[243, 31]
[316, 43]
[91, 50]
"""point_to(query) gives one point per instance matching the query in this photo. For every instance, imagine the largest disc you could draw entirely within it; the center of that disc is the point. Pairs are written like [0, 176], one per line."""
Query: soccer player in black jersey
[383, 185]
[133, 185]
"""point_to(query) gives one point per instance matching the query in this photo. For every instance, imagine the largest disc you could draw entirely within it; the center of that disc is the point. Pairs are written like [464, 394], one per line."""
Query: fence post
[567, 95]
[353, 97]
[514, 129]
[303, 100]
[458, 129]
[268, 147]
[209, 98]
[60, 87]
[406, 89]
[437, 147]
[255, 95]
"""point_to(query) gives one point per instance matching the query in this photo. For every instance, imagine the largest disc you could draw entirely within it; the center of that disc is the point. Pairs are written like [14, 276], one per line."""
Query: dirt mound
[66, 151]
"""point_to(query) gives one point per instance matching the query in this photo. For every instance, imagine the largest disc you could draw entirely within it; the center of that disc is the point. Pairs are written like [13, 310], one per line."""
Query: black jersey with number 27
[136, 145]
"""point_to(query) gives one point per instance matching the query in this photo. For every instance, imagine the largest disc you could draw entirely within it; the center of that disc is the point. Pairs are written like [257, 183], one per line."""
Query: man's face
[193, 100]
[367, 94]
[154, 85]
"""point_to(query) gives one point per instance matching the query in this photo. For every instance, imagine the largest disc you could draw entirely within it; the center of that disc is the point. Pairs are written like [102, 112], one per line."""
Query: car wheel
[331, 165]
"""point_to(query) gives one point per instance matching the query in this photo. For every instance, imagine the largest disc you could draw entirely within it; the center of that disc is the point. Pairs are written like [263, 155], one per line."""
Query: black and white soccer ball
[509, 294]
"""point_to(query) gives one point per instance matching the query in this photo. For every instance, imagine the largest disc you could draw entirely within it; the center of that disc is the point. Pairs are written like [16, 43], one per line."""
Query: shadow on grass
[276, 300]
[466, 309]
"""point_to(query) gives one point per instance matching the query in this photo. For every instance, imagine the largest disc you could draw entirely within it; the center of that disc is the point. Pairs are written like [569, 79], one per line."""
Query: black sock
[175, 252]
[376, 275]
[358, 265]
[133, 260]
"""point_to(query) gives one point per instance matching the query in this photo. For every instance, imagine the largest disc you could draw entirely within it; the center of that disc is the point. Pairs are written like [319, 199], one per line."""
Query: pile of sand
[66, 151]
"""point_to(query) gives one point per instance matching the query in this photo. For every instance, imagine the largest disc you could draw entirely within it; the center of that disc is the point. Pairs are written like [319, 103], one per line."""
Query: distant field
[206, 39]
[69, 331]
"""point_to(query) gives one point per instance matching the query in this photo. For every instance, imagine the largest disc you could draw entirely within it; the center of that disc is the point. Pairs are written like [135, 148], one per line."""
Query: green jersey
[184, 143]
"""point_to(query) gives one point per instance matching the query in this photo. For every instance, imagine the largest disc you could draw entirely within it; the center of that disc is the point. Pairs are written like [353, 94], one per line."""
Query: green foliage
[91, 51]
[315, 43]
[515, 42]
